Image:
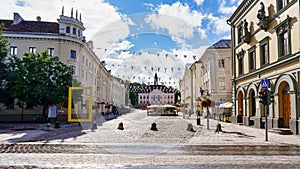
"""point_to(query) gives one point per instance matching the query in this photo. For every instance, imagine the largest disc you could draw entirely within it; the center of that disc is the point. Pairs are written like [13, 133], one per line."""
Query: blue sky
[138, 38]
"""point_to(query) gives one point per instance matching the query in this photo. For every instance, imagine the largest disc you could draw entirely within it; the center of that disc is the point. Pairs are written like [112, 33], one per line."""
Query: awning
[226, 105]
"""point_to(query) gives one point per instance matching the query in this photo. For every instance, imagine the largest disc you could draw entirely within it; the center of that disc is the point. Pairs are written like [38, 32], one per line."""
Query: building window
[79, 33]
[74, 31]
[264, 51]
[240, 57]
[221, 83]
[73, 54]
[240, 33]
[73, 68]
[82, 74]
[68, 29]
[32, 49]
[221, 63]
[282, 4]
[284, 37]
[284, 44]
[13, 50]
[251, 57]
[51, 51]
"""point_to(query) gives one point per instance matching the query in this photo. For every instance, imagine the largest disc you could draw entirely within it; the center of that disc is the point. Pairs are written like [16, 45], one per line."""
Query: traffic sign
[264, 83]
[218, 104]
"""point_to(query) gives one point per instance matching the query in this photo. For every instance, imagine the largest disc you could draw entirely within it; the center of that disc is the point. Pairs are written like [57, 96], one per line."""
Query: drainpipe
[233, 67]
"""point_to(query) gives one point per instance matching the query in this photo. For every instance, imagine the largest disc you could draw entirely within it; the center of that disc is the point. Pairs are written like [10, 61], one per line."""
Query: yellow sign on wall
[80, 104]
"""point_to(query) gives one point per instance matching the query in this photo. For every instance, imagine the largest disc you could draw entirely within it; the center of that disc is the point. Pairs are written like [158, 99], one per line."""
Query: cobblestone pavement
[141, 161]
[172, 146]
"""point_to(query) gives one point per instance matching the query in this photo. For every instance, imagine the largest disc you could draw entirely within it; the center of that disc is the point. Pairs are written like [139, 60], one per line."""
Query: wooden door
[286, 109]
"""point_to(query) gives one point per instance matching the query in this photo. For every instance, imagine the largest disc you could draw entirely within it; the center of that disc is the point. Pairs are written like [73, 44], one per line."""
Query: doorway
[240, 108]
[285, 105]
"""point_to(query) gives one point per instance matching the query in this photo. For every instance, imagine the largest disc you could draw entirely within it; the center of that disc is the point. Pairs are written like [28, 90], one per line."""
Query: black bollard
[190, 127]
[153, 127]
[94, 126]
[219, 128]
[56, 124]
[121, 127]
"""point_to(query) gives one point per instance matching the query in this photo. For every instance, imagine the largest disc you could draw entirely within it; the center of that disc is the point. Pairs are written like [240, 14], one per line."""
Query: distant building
[118, 93]
[209, 76]
[186, 90]
[216, 71]
[155, 95]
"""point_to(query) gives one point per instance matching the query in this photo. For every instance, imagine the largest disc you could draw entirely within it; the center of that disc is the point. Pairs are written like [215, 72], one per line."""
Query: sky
[138, 38]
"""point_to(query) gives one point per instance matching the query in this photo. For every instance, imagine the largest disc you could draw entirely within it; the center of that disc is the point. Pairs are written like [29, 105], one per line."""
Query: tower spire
[62, 11]
[155, 80]
[72, 12]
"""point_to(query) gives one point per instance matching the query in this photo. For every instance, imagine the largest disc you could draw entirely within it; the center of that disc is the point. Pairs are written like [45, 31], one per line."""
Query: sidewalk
[235, 134]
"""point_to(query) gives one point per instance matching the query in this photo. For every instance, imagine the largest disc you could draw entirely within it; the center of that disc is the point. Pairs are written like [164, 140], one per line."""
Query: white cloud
[178, 19]
[227, 10]
[199, 2]
[218, 25]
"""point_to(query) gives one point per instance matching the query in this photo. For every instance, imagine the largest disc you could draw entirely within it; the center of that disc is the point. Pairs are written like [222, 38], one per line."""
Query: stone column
[276, 111]
[294, 121]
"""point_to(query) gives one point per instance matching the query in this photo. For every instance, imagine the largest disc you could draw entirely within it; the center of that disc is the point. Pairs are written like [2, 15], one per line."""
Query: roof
[31, 26]
[223, 43]
[150, 88]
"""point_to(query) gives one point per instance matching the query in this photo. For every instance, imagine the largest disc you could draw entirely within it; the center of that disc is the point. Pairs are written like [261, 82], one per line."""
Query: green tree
[4, 96]
[40, 79]
[133, 93]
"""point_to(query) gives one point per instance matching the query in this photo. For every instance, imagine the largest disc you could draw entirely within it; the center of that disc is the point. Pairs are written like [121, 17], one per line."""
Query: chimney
[17, 19]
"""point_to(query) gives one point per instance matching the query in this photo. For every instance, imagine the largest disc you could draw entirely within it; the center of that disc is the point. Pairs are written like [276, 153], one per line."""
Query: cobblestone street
[172, 146]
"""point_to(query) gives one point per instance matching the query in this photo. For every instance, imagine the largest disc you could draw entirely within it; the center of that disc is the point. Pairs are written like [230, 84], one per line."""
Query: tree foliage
[3, 69]
[38, 79]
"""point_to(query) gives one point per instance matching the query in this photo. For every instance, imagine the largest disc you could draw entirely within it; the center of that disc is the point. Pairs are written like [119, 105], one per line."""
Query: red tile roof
[31, 26]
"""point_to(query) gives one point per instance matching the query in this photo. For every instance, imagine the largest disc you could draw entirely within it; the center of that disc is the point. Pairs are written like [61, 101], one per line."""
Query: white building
[63, 39]
[118, 93]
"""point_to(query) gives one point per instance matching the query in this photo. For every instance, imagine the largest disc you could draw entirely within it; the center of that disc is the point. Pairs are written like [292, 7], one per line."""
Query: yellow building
[65, 39]
[265, 45]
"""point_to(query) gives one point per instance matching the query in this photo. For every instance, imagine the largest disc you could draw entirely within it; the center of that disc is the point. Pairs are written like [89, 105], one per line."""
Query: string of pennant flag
[145, 67]
[157, 54]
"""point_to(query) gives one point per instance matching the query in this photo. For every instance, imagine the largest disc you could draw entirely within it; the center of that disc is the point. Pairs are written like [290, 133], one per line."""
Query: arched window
[67, 29]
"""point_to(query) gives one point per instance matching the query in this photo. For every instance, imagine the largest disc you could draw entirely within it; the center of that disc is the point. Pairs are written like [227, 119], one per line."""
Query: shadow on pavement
[47, 134]
[237, 133]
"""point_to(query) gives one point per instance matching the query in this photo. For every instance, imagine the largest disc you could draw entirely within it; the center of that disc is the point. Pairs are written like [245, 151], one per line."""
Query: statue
[246, 27]
[261, 15]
